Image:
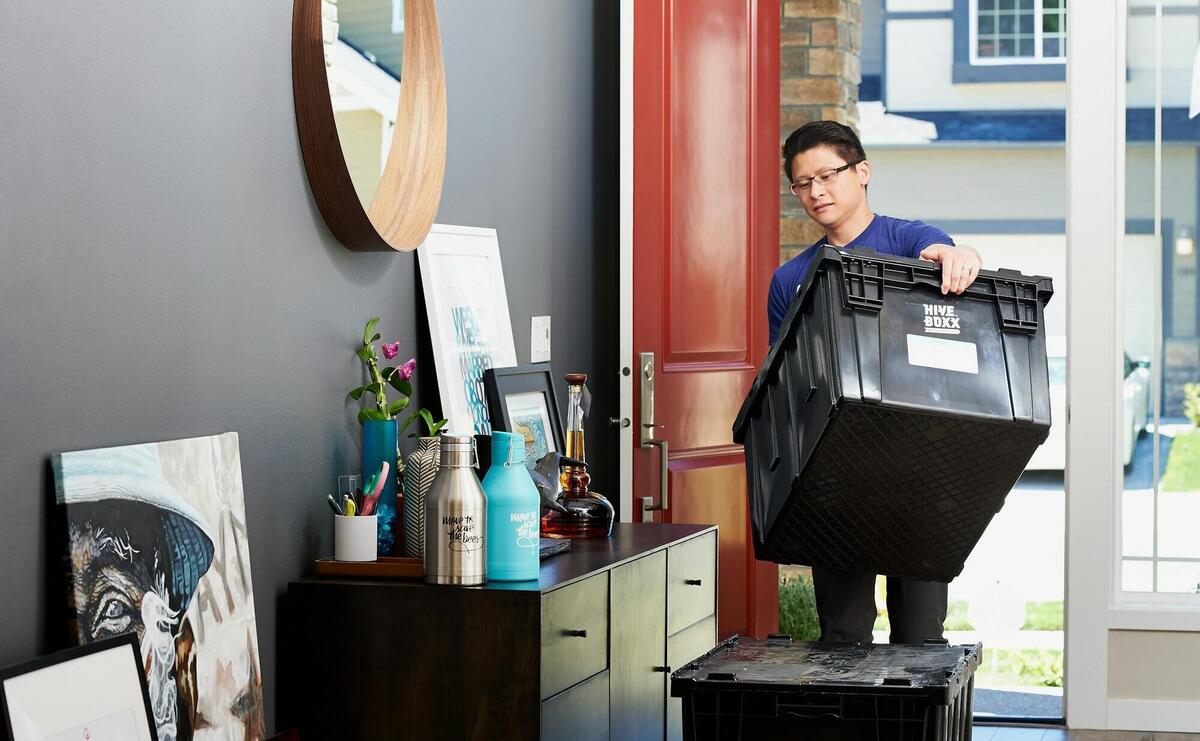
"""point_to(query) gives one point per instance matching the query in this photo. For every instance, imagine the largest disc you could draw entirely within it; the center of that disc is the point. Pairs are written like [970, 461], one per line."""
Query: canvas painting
[158, 547]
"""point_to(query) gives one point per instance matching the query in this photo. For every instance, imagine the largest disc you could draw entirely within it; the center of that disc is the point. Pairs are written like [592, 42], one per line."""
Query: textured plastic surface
[777, 688]
[888, 422]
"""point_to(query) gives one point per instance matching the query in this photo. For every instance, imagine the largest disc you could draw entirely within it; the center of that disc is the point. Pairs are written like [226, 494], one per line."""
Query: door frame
[1095, 185]
[625, 242]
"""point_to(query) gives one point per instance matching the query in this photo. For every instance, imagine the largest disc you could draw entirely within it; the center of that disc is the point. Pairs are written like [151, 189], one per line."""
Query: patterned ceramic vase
[419, 471]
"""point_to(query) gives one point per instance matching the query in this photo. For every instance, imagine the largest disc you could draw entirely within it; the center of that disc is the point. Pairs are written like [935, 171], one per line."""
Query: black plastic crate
[747, 689]
[889, 422]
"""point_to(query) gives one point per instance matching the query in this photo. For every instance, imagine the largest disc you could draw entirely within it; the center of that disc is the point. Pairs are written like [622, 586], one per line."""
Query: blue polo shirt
[884, 234]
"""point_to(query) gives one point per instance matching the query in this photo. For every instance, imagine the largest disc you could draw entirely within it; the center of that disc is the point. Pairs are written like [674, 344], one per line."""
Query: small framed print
[521, 399]
[95, 692]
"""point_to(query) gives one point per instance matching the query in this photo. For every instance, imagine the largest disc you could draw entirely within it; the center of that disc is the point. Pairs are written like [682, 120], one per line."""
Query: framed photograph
[469, 324]
[95, 692]
[521, 399]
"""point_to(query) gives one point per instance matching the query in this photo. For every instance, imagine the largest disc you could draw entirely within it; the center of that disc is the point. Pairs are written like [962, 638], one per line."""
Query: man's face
[829, 204]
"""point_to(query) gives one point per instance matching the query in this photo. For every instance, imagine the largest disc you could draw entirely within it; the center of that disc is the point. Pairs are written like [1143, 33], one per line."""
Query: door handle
[647, 438]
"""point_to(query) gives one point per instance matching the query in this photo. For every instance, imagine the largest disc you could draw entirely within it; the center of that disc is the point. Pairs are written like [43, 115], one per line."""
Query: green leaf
[374, 339]
[375, 388]
[370, 328]
[397, 406]
[364, 353]
[404, 387]
[357, 393]
[432, 426]
[407, 421]
[370, 413]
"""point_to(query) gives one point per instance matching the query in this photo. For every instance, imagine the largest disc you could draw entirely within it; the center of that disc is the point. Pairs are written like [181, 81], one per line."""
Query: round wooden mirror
[371, 113]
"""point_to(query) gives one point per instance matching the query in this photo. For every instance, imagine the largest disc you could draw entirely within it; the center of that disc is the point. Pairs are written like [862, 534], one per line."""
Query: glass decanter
[587, 514]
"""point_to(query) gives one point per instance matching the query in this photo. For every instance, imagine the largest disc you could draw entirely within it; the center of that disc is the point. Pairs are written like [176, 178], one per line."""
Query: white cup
[354, 538]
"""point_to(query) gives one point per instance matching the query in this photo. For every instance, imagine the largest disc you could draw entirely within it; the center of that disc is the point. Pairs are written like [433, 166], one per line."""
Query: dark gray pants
[846, 606]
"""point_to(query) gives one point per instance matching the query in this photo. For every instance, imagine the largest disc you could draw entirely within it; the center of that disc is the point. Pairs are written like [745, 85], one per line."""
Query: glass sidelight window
[1159, 412]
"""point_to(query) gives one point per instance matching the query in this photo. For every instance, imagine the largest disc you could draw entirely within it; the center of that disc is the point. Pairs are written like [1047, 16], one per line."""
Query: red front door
[705, 242]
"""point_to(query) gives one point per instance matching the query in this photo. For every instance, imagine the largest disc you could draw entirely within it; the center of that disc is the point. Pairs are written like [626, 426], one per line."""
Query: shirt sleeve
[777, 306]
[921, 235]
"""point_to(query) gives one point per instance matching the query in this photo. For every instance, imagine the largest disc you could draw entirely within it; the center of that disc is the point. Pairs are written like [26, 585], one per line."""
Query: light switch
[539, 340]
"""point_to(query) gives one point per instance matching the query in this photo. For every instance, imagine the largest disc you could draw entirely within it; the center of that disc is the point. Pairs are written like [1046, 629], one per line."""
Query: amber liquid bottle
[588, 515]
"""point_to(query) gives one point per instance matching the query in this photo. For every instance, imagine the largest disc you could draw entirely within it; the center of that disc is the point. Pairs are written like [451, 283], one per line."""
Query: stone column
[819, 76]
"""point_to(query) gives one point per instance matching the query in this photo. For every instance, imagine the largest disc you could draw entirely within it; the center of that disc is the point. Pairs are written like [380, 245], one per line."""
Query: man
[829, 173]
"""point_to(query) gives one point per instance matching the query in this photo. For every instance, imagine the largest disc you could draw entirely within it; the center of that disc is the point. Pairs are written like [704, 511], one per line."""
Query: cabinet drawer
[574, 633]
[691, 582]
[685, 646]
[580, 713]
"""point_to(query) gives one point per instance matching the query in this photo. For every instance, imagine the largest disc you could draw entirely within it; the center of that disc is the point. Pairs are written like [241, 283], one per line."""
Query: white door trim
[625, 381]
[1095, 217]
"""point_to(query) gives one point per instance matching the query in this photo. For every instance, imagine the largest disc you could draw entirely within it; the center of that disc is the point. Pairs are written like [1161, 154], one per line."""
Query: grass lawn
[1043, 616]
[1183, 463]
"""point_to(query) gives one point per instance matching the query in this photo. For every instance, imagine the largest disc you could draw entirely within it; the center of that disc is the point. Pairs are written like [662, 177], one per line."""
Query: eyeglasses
[824, 177]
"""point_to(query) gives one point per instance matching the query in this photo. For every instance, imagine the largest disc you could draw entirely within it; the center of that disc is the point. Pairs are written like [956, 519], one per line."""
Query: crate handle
[1016, 298]
[575, 633]
[692, 582]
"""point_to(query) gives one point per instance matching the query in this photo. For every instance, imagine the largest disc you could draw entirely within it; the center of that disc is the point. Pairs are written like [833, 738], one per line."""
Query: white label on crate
[935, 352]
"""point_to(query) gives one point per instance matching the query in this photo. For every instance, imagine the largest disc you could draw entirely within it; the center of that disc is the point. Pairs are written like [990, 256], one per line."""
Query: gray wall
[166, 274]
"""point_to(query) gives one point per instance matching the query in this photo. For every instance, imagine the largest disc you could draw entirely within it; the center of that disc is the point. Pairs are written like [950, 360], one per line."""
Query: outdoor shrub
[1045, 668]
[1191, 402]
[798, 608]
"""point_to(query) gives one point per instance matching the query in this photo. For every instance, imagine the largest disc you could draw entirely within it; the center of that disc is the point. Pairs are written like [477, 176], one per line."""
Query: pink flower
[408, 369]
[390, 350]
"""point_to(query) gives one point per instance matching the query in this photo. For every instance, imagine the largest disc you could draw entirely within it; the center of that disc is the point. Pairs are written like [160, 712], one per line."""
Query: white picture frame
[95, 692]
[469, 324]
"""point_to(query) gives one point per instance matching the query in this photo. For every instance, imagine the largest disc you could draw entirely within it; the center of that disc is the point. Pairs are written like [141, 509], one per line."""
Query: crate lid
[779, 664]
[873, 272]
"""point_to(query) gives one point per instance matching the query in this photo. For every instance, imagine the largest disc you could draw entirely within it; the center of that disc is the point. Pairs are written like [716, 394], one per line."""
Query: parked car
[1052, 455]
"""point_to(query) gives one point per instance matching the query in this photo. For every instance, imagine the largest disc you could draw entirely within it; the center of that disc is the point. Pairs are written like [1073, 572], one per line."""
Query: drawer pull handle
[575, 633]
[692, 582]
[663, 669]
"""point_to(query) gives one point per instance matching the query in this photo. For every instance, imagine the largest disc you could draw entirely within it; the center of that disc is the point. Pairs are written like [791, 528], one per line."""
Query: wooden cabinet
[639, 624]
[583, 653]
[574, 633]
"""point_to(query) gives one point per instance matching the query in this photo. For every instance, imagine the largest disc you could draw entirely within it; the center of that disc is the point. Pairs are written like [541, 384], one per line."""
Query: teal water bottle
[513, 506]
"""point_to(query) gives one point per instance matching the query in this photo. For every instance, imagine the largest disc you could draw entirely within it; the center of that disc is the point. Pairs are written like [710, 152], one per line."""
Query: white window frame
[1140, 608]
[1037, 58]
[1095, 146]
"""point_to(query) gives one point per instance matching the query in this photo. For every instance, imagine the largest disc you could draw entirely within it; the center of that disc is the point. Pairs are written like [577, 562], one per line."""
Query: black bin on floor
[748, 689]
[888, 422]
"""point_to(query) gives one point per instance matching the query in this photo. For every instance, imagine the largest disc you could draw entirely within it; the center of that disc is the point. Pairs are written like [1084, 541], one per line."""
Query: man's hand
[960, 265]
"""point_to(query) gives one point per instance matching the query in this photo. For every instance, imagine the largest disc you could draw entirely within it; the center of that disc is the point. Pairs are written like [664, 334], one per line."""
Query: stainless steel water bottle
[456, 518]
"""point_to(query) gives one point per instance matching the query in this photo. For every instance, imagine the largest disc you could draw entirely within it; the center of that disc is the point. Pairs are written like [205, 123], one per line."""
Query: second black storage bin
[889, 421]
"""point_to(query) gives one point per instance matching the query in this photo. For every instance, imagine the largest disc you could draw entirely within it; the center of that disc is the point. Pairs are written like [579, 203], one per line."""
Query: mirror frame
[410, 186]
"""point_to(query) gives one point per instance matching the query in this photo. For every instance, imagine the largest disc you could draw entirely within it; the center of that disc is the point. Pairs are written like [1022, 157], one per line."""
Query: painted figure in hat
[139, 560]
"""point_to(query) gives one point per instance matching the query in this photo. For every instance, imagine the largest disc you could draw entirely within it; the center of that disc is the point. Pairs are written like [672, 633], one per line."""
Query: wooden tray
[385, 567]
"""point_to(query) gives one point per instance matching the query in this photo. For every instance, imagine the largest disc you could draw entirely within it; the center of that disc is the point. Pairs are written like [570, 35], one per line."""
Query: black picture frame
[129, 640]
[502, 383]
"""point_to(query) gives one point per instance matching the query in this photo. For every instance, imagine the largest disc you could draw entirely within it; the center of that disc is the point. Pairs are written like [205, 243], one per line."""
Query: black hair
[836, 136]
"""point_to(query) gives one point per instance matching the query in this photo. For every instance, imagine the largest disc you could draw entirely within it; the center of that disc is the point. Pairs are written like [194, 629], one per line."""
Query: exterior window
[1019, 31]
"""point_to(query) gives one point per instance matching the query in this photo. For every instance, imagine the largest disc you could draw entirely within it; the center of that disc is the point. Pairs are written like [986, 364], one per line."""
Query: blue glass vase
[379, 444]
